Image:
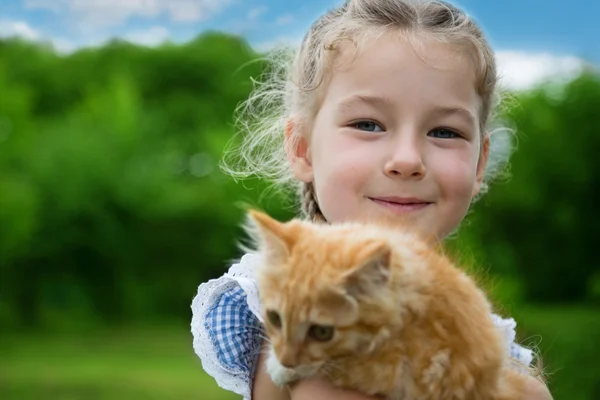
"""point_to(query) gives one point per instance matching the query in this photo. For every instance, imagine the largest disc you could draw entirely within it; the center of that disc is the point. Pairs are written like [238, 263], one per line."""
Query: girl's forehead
[396, 67]
[404, 51]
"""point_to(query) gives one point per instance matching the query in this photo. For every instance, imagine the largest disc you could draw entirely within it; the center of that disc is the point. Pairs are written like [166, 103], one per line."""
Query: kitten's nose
[288, 359]
[288, 365]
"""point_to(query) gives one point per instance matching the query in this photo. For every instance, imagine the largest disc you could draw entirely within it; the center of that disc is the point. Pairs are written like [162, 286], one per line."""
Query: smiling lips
[401, 204]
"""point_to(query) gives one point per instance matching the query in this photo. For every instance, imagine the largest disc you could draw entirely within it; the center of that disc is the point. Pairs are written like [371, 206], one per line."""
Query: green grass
[568, 339]
[151, 363]
[159, 363]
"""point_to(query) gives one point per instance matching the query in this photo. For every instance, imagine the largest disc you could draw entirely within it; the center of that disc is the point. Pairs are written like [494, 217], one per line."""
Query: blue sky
[531, 36]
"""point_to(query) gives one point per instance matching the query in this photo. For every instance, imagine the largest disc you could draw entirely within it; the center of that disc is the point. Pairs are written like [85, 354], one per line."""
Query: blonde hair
[294, 85]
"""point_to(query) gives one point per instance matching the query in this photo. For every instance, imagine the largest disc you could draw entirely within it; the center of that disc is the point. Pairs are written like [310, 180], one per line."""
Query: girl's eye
[321, 333]
[368, 126]
[274, 319]
[443, 133]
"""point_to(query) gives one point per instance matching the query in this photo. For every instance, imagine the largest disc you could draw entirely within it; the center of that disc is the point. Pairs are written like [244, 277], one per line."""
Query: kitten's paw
[280, 375]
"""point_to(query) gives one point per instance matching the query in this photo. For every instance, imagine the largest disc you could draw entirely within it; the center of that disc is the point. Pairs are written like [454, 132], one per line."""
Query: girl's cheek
[352, 167]
[455, 173]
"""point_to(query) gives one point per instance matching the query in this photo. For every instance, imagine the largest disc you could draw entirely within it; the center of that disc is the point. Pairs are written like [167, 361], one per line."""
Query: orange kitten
[375, 309]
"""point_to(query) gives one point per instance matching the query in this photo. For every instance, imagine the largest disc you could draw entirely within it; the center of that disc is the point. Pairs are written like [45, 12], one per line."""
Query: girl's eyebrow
[349, 102]
[459, 111]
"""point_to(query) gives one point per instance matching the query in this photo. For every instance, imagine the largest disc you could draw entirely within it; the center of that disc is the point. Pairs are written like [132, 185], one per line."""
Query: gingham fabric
[237, 333]
[228, 331]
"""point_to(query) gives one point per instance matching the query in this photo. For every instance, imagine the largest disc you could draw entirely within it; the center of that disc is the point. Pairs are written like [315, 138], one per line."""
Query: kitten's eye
[274, 319]
[321, 333]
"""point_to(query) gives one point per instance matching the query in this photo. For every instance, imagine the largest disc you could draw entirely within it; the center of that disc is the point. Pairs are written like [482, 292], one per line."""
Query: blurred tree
[541, 225]
[113, 208]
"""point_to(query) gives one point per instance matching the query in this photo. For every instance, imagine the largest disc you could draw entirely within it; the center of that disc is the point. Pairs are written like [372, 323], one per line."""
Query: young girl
[386, 107]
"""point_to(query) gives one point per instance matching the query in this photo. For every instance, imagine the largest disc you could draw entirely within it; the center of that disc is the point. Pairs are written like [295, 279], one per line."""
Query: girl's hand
[320, 390]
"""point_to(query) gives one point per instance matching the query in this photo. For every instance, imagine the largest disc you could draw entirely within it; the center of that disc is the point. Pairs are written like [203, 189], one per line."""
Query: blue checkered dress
[237, 332]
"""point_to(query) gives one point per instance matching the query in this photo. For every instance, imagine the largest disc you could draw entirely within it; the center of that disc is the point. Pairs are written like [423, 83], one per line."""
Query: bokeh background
[113, 119]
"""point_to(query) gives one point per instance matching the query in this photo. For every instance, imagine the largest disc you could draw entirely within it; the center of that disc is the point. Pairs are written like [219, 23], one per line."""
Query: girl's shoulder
[227, 327]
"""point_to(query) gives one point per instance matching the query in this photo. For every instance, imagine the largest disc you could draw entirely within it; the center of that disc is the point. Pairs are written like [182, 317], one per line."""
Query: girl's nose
[405, 161]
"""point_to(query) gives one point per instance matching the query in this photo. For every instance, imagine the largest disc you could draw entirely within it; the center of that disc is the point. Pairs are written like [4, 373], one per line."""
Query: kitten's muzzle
[288, 359]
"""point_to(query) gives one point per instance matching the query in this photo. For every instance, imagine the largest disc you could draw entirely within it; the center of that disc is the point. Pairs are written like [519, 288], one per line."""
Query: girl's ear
[298, 151]
[481, 164]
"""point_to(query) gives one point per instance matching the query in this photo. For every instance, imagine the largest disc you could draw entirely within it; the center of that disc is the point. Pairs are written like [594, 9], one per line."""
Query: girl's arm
[263, 387]
[321, 390]
[536, 390]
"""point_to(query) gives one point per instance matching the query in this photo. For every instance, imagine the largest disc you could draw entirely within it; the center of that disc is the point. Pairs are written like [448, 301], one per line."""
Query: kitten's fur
[407, 323]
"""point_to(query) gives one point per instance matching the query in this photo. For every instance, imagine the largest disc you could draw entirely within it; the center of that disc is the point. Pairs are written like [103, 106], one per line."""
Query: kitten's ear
[273, 237]
[342, 307]
[372, 272]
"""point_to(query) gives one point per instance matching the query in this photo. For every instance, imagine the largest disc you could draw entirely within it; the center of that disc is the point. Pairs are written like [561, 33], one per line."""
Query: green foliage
[112, 205]
[541, 225]
[113, 208]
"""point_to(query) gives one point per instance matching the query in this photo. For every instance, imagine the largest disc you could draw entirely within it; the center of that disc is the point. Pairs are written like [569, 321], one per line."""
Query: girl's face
[397, 136]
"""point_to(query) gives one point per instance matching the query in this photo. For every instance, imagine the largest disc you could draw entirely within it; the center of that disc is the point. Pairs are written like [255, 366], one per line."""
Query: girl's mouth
[401, 204]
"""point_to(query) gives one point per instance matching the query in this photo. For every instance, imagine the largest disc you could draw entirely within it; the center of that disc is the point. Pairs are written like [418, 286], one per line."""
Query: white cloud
[520, 70]
[284, 20]
[257, 12]
[148, 37]
[63, 46]
[92, 14]
[18, 28]
[23, 30]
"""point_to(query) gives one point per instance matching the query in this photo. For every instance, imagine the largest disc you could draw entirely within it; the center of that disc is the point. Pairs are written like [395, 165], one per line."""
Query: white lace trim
[240, 274]
[507, 327]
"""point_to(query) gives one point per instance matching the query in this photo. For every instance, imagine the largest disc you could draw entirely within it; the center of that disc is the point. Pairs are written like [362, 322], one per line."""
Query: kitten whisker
[252, 327]
[330, 366]
[259, 332]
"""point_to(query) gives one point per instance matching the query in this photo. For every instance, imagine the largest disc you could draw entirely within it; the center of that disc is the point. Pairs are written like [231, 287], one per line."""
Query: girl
[387, 105]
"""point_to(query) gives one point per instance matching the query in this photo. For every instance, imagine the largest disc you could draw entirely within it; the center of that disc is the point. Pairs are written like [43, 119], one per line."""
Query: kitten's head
[315, 282]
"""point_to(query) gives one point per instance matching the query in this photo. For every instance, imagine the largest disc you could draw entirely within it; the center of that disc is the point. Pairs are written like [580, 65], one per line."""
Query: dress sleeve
[227, 330]
[507, 327]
